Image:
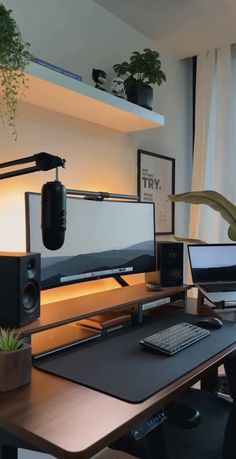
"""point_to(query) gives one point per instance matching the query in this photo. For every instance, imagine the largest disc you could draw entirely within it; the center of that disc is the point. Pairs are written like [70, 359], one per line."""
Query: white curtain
[214, 163]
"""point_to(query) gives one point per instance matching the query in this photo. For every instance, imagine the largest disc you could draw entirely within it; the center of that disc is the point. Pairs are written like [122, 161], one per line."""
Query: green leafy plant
[142, 69]
[10, 340]
[14, 57]
[216, 201]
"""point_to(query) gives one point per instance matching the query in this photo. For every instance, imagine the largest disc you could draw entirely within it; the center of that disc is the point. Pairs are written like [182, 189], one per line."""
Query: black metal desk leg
[8, 452]
[209, 381]
[155, 445]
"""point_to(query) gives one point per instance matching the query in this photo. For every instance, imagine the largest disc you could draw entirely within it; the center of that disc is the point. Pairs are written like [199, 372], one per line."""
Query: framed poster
[156, 180]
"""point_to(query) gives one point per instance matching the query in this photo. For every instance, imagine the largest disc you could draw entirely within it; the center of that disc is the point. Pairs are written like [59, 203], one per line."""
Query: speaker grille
[30, 296]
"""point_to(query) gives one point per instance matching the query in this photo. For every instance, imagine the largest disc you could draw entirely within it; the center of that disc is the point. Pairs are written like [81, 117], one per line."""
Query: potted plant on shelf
[15, 360]
[14, 57]
[142, 70]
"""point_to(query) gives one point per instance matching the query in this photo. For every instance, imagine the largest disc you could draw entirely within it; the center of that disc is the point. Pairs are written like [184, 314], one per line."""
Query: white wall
[80, 35]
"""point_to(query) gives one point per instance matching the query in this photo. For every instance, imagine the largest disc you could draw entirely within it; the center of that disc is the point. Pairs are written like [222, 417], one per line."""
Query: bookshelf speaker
[19, 288]
[169, 264]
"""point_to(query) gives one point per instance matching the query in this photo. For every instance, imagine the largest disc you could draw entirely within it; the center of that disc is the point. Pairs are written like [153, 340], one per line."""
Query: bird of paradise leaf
[216, 201]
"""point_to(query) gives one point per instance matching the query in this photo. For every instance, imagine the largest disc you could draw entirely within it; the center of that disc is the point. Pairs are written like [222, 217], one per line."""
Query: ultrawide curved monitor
[102, 239]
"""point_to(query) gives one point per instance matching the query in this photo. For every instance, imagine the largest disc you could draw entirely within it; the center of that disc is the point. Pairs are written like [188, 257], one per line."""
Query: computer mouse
[210, 323]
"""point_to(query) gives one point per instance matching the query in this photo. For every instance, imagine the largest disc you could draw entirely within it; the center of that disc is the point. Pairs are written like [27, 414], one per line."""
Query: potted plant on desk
[15, 360]
[142, 70]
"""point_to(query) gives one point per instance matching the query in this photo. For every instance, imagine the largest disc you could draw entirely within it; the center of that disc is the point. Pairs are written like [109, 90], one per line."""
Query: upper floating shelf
[60, 93]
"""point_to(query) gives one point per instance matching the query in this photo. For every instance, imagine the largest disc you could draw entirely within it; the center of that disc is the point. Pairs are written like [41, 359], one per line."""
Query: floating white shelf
[60, 93]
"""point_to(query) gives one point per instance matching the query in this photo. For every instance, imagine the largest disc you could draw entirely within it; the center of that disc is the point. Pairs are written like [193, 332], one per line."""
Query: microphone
[53, 214]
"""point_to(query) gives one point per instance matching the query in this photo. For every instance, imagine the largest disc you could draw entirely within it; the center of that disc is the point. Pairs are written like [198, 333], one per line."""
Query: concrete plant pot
[15, 368]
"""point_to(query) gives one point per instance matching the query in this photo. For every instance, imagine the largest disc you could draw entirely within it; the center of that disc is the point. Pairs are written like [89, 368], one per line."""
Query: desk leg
[8, 452]
[155, 445]
[209, 382]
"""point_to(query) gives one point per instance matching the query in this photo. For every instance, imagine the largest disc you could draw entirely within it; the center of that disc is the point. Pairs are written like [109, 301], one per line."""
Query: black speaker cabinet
[19, 288]
[169, 267]
[170, 257]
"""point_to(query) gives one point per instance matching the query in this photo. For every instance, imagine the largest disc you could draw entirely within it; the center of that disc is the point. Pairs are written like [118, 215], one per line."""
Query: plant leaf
[216, 201]
[143, 67]
[14, 56]
[10, 340]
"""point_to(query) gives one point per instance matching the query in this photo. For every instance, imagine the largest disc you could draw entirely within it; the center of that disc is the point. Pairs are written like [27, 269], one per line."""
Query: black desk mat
[119, 366]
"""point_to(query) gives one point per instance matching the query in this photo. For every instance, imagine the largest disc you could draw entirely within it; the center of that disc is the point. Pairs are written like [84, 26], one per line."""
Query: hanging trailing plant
[14, 57]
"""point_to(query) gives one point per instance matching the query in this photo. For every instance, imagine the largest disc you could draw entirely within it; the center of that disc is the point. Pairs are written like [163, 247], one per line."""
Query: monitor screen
[212, 262]
[103, 238]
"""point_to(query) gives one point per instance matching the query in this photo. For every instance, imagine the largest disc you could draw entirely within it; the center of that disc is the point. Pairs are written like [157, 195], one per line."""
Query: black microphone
[53, 214]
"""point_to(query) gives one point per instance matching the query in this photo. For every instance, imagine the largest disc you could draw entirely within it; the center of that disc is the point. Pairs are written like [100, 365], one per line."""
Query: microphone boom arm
[44, 162]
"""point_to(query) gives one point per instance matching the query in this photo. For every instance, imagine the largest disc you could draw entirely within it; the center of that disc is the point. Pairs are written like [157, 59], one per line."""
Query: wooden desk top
[71, 421]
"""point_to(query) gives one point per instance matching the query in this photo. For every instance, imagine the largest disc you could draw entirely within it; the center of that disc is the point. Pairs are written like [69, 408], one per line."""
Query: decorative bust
[117, 87]
[100, 78]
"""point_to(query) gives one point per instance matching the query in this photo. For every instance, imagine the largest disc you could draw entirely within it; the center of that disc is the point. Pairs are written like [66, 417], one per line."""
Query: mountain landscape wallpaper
[133, 259]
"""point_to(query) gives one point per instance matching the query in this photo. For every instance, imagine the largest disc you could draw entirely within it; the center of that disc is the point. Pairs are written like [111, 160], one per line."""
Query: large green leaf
[216, 201]
[144, 67]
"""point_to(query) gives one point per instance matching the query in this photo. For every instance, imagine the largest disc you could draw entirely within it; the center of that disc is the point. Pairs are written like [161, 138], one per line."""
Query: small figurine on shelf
[100, 78]
[117, 87]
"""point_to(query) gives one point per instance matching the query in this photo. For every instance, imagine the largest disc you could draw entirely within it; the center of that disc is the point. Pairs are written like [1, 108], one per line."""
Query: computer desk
[67, 420]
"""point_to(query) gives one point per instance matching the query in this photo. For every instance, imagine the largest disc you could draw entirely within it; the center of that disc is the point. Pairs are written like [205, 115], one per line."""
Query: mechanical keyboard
[174, 339]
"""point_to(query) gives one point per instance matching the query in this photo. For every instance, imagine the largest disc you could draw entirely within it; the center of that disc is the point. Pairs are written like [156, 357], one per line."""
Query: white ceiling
[184, 27]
